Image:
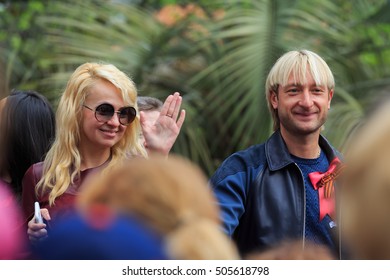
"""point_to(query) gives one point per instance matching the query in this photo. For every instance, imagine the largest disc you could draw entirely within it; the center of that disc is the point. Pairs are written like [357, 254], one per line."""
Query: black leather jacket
[261, 193]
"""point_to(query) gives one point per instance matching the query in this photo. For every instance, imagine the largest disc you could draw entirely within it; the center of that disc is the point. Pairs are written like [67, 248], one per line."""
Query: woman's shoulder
[34, 172]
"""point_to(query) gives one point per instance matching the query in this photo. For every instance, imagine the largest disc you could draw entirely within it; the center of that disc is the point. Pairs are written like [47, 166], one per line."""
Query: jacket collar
[278, 155]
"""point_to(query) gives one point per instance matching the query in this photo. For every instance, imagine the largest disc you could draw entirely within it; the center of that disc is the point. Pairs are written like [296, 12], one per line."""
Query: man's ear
[274, 99]
[330, 98]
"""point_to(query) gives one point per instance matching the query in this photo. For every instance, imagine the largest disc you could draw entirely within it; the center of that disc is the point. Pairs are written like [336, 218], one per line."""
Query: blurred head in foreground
[293, 250]
[171, 196]
[100, 234]
[365, 187]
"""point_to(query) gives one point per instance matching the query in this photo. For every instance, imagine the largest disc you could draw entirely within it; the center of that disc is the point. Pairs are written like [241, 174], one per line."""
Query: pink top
[12, 236]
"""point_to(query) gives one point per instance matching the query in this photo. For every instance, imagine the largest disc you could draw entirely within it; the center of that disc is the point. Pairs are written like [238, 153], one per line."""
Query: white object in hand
[37, 215]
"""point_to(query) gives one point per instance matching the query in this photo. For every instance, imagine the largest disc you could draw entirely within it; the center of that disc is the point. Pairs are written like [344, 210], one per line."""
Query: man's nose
[306, 99]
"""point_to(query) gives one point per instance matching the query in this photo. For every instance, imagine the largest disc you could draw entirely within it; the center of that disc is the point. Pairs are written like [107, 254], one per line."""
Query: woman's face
[101, 135]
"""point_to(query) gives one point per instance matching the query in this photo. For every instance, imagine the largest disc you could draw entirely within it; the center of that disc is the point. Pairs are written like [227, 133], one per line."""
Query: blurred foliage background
[217, 54]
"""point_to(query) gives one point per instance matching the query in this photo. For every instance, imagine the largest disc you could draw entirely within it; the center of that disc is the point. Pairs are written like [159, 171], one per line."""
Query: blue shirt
[315, 230]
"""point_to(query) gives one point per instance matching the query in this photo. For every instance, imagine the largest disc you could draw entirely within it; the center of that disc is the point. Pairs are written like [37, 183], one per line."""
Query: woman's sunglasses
[104, 112]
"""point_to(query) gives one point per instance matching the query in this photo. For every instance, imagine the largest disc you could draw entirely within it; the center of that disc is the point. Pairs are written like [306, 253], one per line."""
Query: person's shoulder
[251, 154]
[330, 150]
[252, 157]
[38, 168]
[35, 171]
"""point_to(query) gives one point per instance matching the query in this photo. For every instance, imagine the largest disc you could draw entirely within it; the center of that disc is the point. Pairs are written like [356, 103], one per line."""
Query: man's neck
[303, 146]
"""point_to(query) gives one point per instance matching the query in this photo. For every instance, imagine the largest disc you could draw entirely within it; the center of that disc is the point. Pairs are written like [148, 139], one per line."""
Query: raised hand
[162, 134]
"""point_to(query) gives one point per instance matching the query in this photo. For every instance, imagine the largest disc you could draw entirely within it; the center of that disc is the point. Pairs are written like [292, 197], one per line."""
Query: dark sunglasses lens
[104, 112]
[127, 115]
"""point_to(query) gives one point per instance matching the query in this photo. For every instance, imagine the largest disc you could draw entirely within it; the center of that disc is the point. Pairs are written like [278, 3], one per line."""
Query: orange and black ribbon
[324, 183]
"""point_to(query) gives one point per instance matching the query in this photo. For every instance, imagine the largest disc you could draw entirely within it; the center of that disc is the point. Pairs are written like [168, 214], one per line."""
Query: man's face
[302, 109]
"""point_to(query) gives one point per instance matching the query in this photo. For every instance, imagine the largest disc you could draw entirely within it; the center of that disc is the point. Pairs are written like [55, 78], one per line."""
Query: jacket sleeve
[28, 193]
[229, 185]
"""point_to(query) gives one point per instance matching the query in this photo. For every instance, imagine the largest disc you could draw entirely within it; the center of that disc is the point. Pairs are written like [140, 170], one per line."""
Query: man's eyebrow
[293, 85]
[300, 85]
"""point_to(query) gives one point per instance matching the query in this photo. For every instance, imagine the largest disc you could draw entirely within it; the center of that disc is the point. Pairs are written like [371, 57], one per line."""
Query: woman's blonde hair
[296, 63]
[365, 189]
[62, 163]
[173, 197]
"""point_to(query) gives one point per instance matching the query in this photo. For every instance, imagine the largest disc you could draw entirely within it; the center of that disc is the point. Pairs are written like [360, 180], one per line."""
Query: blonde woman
[172, 196]
[98, 125]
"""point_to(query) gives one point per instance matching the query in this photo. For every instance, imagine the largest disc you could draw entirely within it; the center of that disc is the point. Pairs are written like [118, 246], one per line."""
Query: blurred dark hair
[148, 103]
[27, 131]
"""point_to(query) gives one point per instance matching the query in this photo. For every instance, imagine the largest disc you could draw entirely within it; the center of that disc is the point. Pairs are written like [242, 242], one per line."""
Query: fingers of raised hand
[172, 106]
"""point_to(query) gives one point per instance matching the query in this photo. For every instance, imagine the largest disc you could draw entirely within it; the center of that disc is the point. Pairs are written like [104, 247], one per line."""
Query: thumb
[142, 118]
[45, 214]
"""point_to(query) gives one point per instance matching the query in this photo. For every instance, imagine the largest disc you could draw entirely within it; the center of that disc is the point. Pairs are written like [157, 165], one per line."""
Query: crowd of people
[102, 171]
